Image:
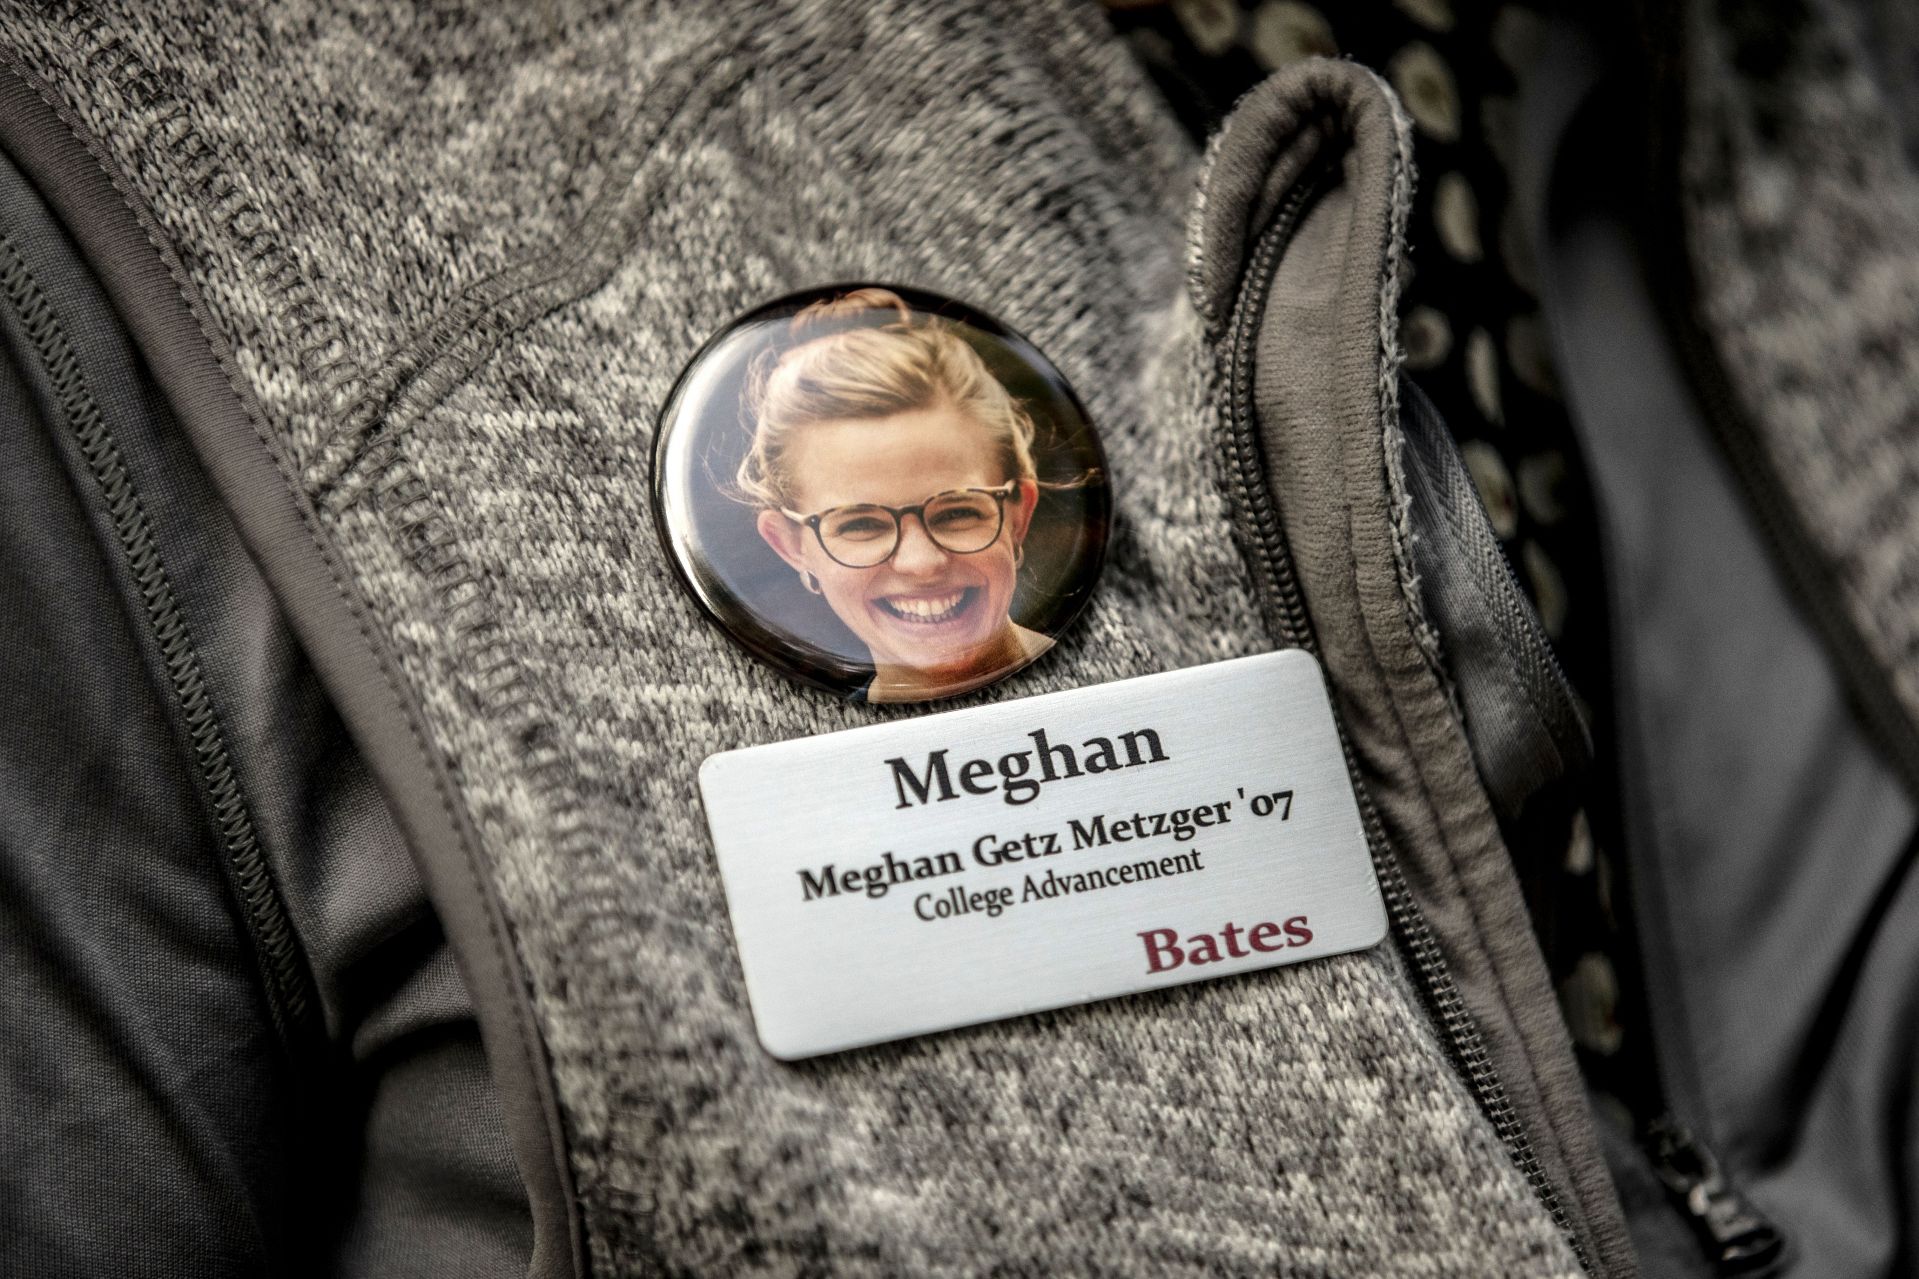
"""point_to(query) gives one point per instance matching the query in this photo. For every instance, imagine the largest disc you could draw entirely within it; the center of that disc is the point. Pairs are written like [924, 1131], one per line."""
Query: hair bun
[832, 314]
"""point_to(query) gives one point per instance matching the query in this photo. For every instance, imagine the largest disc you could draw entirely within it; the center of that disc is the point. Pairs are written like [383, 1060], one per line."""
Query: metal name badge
[916, 876]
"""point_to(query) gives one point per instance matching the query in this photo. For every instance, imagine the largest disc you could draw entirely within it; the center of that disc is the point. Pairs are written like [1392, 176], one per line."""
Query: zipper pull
[1740, 1239]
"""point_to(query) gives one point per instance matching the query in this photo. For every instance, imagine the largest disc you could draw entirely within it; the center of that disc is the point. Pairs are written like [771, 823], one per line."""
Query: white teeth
[924, 608]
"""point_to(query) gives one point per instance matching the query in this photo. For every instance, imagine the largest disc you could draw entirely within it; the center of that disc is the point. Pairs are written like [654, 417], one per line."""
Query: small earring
[810, 582]
[1019, 556]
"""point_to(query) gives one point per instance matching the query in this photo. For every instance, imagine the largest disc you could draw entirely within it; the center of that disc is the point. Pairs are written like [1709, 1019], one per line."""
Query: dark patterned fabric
[1475, 343]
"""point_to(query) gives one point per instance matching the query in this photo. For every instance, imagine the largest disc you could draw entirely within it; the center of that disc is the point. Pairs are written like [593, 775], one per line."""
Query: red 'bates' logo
[1165, 951]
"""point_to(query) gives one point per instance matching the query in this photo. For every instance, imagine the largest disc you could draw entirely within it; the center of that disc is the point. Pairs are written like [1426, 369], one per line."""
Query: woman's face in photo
[926, 608]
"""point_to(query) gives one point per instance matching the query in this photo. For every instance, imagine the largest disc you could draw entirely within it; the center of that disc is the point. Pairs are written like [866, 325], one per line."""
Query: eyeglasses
[865, 535]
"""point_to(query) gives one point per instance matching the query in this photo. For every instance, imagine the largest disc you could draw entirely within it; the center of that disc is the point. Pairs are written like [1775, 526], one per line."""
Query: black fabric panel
[146, 1109]
[201, 380]
[432, 1195]
[152, 1123]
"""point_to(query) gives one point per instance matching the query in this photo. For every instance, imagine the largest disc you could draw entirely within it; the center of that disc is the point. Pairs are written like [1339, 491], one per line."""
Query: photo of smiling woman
[893, 476]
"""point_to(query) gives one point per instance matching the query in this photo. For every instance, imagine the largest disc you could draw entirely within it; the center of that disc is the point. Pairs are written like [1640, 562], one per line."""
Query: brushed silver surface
[818, 840]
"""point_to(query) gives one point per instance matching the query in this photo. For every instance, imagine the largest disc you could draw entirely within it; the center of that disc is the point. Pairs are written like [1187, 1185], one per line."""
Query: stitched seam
[1423, 632]
[526, 1031]
[451, 347]
[107, 56]
[1413, 617]
[1420, 946]
[1399, 502]
[1444, 840]
[1399, 493]
[526, 1028]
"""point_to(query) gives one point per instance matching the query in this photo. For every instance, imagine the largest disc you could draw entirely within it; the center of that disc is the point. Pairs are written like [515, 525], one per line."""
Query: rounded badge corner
[1384, 928]
[787, 1054]
[710, 768]
[1295, 656]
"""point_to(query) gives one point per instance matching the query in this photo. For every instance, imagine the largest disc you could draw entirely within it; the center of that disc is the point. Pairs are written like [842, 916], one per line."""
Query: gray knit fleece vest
[419, 284]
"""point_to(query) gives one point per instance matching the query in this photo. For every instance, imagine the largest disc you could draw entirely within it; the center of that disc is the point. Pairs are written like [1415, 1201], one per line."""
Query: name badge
[921, 875]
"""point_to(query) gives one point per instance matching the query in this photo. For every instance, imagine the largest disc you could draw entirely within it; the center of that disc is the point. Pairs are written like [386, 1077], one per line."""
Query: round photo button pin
[881, 492]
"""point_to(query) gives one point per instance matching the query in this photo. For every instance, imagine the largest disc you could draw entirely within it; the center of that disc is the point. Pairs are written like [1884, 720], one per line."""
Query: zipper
[1736, 1235]
[1738, 1240]
[287, 982]
[1494, 643]
[1278, 584]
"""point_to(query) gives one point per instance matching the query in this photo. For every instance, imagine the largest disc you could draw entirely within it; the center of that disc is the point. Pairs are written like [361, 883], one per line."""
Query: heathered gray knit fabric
[1325, 386]
[461, 260]
[1803, 218]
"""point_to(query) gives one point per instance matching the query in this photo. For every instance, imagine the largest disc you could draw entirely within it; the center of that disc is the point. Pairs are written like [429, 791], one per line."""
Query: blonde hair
[857, 368]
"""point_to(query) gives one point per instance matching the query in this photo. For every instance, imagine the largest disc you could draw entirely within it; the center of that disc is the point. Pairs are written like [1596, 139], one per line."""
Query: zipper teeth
[286, 976]
[1269, 547]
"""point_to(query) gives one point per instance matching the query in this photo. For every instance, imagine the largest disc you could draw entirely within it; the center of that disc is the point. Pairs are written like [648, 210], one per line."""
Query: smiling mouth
[929, 610]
